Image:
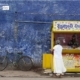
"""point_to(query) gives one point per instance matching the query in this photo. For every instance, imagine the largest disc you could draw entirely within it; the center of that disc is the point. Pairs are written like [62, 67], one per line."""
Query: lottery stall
[68, 32]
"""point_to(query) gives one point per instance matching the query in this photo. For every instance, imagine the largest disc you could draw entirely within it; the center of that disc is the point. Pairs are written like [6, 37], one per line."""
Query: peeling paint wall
[26, 24]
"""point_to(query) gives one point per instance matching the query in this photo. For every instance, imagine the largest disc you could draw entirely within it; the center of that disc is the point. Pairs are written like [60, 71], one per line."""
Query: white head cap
[57, 41]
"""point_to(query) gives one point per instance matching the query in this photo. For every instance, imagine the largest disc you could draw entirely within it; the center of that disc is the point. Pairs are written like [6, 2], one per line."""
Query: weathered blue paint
[26, 25]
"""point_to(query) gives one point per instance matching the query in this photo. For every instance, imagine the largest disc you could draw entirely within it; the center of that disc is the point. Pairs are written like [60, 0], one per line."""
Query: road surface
[19, 78]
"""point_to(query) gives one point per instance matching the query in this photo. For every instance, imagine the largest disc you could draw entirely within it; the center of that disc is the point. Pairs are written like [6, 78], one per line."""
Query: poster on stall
[71, 61]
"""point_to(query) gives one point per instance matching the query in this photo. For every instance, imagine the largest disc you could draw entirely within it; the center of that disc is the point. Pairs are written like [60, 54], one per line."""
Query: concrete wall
[26, 25]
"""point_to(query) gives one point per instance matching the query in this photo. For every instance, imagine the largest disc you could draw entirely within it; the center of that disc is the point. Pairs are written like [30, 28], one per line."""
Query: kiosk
[68, 32]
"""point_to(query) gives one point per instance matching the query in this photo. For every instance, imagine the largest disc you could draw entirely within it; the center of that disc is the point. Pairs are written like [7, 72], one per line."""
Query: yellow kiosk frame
[59, 27]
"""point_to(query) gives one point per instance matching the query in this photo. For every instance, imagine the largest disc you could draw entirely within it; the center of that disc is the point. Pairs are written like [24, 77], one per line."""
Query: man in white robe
[59, 67]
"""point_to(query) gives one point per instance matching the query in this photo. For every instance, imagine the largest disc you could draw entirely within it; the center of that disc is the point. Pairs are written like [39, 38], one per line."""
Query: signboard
[71, 60]
[66, 25]
[5, 7]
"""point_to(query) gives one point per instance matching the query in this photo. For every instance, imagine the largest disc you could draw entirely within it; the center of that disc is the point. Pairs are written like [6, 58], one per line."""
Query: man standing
[59, 67]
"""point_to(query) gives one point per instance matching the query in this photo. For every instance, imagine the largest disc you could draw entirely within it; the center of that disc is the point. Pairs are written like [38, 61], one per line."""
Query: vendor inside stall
[73, 42]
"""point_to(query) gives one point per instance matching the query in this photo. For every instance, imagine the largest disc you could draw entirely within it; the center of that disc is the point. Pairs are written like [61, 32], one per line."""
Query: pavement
[15, 73]
[34, 73]
[13, 78]
[11, 71]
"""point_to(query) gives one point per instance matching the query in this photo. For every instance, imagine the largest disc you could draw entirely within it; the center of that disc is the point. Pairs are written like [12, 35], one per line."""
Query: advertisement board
[71, 61]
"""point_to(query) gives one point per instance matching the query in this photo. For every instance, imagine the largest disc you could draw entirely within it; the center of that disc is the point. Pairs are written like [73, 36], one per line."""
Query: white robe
[58, 60]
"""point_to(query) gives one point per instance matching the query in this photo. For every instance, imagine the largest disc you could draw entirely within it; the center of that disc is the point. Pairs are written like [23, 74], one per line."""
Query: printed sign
[71, 60]
[5, 7]
[66, 25]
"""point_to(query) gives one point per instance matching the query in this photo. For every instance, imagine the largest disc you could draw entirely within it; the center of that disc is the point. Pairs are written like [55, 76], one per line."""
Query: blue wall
[26, 25]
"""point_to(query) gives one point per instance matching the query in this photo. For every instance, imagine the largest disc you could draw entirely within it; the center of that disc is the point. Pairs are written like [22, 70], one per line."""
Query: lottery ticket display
[71, 60]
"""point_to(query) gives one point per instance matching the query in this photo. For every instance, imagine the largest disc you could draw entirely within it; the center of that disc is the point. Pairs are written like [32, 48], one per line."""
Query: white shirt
[57, 51]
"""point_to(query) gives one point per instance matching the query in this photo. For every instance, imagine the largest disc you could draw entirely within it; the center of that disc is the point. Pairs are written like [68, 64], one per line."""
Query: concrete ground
[11, 71]
[15, 78]
[34, 73]
[15, 73]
